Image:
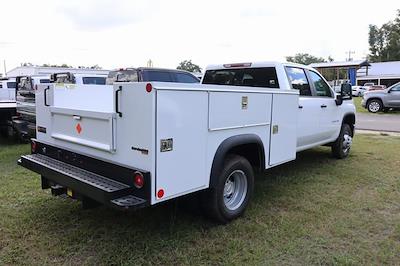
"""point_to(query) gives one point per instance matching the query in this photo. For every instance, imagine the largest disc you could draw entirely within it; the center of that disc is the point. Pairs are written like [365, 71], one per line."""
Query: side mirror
[339, 99]
[346, 92]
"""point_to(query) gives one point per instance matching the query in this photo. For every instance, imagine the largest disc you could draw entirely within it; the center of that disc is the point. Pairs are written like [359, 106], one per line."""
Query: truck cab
[7, 90]
[143, 74]
[320, 114]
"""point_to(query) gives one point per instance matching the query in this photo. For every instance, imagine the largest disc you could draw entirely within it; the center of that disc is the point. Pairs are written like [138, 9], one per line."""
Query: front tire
[341, 147]
[230, 197]
[374, 106]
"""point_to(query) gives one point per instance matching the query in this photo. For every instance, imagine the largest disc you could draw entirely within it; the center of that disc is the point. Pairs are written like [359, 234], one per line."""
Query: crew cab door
[328, 115]
[308, 131]
[393, 98]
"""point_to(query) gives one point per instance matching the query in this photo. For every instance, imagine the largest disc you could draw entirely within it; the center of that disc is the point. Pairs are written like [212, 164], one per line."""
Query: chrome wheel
[347, 141]
[235, 190]
[374, 106]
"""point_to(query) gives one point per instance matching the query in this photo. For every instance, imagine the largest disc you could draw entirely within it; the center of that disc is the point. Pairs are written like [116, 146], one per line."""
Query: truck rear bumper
[65, 178]
[24, 128]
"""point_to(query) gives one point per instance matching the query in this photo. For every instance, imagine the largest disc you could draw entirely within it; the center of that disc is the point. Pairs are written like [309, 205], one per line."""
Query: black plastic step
[79, 174]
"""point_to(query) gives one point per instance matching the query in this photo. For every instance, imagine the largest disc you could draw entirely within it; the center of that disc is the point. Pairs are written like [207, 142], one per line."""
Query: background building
[385, 73]
[35, 70]
[359, 72]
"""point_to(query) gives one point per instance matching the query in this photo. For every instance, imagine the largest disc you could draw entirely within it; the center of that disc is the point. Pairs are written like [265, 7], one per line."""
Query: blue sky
[121, 33]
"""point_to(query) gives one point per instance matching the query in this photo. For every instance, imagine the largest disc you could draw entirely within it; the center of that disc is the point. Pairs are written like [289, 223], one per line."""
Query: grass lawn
[315, 210]
[360, 109]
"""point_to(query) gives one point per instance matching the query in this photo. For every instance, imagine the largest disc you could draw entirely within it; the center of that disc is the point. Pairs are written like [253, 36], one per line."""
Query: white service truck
[135, 144]
[7, 103]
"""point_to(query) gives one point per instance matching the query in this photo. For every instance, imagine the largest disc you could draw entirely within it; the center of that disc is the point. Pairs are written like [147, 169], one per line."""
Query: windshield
[249, 77]
[127, 75]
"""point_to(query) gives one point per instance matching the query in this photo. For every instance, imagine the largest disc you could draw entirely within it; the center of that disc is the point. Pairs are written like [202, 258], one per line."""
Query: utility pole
[350, 52]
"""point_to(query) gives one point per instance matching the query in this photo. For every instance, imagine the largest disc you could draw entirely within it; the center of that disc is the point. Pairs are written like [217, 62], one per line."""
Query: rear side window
[249, 77]
[94, 80]
[186, 78]
[44, 81]
[11, 85]
[154, 75]
[321, 87]
[127, 75]
[298, 79]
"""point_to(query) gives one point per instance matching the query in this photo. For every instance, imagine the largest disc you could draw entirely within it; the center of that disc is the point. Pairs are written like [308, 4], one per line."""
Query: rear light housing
[237, 65]
[138, 180]
[149, 87]
[33, 146]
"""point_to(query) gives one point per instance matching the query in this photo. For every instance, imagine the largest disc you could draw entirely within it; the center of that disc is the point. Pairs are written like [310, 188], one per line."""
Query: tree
[305, 59]
[189, 66]
[384, 42]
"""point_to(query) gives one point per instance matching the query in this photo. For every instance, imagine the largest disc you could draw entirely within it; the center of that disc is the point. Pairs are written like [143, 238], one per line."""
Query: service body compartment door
[88, 128]
[229, 110]
[181, 142]
[283, 128]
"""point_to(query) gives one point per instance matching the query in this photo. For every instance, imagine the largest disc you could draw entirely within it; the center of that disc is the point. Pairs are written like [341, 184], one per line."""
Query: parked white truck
[136, 144]
[7, 103]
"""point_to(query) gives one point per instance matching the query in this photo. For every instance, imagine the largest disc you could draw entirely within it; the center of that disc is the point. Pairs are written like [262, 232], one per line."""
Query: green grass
[315, 210]
[360, 109]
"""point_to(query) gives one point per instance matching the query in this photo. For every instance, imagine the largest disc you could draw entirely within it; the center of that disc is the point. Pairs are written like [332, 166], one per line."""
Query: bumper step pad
[97, 187]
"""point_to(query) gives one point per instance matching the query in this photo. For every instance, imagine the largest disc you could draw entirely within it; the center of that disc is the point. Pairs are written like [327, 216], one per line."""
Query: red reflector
[33, 147]
[160, 193]
[238, 65]
[149, 87]
[138, 180]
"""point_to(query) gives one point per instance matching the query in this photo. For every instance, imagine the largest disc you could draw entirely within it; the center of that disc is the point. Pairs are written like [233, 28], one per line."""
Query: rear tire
[374, 105]
[230, 197]
[341, 147]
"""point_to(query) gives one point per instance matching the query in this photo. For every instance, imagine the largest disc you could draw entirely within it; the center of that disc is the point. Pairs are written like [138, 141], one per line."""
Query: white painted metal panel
[181, 116]
[283, 128]
[236, 110]
[87, 128]
[98, 98]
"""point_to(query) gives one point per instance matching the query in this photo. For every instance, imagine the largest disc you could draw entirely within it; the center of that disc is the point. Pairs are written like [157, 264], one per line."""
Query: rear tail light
[138, 180]
[149, 87]
[33, 146]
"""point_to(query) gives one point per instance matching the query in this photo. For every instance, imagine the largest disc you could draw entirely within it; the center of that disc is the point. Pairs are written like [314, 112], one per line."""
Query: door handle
[117, 101]
[300, 106]
[323, 106]
[45, 96]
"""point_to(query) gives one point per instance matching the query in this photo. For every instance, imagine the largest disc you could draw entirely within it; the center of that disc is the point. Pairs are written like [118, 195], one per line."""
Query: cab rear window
[249, 77]
[94, 80]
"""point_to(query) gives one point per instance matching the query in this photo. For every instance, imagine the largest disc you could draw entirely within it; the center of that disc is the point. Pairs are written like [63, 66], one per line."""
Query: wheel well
[249, 146]
[350, 119]
[251, 151]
